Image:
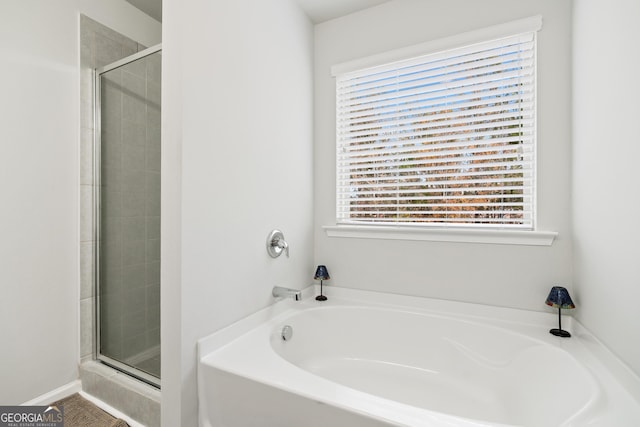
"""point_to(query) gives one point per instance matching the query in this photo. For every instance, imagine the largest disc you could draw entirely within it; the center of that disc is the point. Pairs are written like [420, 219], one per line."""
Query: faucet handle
[276, 244]
[283, 245]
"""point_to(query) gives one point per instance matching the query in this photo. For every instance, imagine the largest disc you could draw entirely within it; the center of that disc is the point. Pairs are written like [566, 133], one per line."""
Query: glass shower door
[128, 214]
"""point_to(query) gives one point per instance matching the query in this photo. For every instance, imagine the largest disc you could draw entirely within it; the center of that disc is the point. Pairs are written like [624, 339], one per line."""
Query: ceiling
[325, 10]
[153, 8]
[317, 10]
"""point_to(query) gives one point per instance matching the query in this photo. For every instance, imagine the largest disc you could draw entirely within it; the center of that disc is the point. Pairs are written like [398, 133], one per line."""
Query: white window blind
[444, 139]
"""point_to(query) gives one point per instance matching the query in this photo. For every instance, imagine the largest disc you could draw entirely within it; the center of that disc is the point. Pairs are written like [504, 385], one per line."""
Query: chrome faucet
[276, 244]
[279, 291]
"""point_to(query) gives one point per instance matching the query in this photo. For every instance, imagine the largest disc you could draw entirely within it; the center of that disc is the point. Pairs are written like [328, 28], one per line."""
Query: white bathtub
[366, 359]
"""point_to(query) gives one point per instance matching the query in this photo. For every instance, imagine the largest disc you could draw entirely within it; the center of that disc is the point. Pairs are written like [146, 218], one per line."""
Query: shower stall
[127, 214]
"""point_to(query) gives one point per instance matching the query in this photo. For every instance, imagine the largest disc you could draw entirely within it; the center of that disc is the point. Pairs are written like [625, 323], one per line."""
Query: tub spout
[279, 291]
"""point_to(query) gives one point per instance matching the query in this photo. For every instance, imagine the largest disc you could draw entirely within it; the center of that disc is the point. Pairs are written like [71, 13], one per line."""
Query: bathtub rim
[466, 310]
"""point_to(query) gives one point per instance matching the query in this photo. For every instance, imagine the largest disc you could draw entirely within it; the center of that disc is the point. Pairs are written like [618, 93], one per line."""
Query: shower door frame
[97, 145]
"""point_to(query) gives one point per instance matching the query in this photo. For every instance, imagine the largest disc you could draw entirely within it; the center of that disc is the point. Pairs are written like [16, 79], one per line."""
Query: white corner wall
[237, 163]
[39, 183]
[513, 276]
[605, 183]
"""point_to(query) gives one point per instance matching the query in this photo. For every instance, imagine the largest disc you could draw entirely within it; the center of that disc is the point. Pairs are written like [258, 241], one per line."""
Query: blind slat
[386, 138]
[350, 128]
[438, 186]
[436, 80]
[434, 145]
[427, 111]
[485, 46]
[499, 81]
[502, 221]
[452, 177]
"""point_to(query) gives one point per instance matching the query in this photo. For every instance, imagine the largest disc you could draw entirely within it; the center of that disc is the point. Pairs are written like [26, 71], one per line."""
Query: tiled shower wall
[135, 276]
[130, 212]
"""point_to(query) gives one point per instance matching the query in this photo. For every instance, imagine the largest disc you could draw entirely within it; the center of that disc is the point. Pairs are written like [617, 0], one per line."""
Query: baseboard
[57, 394]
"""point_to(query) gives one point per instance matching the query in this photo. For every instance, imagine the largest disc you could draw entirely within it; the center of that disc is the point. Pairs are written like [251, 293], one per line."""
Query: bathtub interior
[439, 363]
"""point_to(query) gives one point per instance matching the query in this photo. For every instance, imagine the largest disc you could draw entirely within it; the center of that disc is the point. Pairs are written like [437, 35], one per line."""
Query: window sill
[498, 237]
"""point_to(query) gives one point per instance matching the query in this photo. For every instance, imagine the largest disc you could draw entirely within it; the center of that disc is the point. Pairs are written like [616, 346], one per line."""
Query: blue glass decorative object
[321, 274]
[559, 298]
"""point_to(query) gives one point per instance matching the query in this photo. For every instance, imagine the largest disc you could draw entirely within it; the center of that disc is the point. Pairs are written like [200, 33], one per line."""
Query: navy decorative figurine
[321, 274]
[559, 298]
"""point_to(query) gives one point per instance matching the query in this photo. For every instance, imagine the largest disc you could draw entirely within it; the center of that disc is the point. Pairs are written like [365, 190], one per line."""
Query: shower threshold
[134, 371]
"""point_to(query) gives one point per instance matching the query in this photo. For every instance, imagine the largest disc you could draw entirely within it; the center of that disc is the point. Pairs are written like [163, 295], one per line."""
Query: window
[445, 139]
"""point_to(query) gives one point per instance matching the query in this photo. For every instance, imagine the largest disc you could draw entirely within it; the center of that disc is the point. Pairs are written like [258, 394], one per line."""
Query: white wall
[605, 181]
[237, 163]
[39, 184]
[514, 276]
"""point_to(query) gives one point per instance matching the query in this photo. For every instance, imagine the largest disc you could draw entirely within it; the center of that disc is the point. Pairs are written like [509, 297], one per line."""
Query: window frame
[437, 232]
